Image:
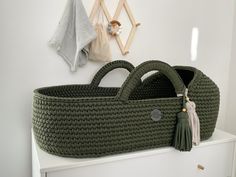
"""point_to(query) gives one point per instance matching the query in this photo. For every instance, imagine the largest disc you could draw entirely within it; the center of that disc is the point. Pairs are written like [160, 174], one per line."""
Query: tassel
[183, 134]
[194, 122]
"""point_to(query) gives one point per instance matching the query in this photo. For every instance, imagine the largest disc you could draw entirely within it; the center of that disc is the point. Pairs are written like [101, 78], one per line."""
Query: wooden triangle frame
[122, 4]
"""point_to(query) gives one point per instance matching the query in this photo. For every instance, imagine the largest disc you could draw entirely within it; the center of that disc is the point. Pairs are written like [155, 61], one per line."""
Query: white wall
[231, 111]
[26, 62]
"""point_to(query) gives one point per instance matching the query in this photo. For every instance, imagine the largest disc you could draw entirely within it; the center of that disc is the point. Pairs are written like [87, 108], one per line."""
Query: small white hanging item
[114, 28]
[100, 47]
[193, 119]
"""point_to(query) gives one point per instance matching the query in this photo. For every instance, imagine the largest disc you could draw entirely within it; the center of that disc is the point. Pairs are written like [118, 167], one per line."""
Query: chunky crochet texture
[92, 121]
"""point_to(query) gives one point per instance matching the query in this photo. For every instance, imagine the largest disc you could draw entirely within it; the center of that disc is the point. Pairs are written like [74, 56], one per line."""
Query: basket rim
[93, 99]
[110, 98]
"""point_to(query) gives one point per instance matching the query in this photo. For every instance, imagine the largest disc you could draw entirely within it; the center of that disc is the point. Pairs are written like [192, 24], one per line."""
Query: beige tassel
[193, 121]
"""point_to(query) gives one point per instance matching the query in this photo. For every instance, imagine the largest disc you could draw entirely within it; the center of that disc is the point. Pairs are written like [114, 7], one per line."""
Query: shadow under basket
[92, 121]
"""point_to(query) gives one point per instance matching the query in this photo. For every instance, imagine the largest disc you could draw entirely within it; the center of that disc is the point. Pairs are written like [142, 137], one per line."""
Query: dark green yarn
[201, 89]
[183, 134]
[133, 80]
[91, 121]
[109, 67]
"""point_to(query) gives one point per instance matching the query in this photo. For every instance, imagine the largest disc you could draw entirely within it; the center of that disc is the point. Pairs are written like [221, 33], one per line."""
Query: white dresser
[215, 157]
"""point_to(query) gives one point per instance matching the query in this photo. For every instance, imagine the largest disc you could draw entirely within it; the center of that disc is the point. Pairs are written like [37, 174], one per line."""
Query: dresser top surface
[48, 162]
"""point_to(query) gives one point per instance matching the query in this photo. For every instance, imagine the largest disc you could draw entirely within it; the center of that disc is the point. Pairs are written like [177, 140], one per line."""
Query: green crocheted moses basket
[92, 121]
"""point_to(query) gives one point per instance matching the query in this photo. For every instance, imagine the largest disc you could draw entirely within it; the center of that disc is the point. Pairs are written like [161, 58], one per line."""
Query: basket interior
[156, 86]
[186, 75]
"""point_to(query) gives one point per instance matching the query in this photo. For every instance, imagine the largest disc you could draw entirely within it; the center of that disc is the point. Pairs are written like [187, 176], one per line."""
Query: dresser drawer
[215, 159]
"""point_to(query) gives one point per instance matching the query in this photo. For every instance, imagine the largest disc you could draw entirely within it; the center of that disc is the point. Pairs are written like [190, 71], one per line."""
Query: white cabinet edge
[234, 162]
[50, 163]
[36, 169]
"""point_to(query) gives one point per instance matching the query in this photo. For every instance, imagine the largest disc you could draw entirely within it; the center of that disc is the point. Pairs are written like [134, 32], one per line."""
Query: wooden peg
[200, 167]
[126, 52]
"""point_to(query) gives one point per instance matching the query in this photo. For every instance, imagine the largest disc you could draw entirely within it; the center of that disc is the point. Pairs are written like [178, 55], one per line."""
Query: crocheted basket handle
[134, 78]
[109, 67]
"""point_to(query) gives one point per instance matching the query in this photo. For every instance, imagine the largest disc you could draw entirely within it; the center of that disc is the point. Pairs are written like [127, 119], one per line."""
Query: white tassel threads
[193, 120]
